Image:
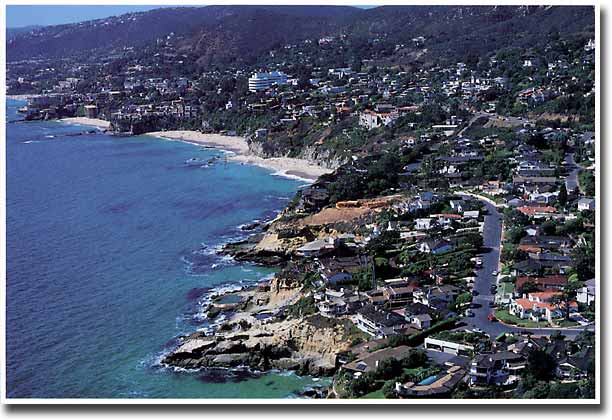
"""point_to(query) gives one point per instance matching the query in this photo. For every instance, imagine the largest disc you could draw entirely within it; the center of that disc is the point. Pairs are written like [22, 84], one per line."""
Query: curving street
[492, 234]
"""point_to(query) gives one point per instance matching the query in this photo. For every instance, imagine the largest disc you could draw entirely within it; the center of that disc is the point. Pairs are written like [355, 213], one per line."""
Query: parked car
[494, 273]
[492, 304]
[492, 318]
[478, 330]
[469, 313]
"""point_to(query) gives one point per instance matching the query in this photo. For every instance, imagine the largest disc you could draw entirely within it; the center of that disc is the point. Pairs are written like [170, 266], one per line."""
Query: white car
[477, 330]
[494, 273]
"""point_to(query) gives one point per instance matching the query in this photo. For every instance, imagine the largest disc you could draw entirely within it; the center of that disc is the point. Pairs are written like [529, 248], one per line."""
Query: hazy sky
[17, 16]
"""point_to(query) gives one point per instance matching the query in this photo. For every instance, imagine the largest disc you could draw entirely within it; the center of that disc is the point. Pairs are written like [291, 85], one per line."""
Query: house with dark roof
[441, 386]
[435, 246]
[575, 367]
[499, 368]
[379, 322]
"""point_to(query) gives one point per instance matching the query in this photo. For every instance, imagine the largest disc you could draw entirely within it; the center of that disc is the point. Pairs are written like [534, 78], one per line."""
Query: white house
[423, 224]
[370, 119]
[421, 322]
[446, 346]
[586, 204]
[586, 294]
[538, 306]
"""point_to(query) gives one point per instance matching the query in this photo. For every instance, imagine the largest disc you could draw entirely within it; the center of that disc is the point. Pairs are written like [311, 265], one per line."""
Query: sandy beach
[234, 144]
[289, 167]
[94, 122]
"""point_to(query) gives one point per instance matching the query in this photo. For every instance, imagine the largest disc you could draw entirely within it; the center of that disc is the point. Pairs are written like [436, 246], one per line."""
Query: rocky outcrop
[315, 155]
[308, 346]
[248, 250]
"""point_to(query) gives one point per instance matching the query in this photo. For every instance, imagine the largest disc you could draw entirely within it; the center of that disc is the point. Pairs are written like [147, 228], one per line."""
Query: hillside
[240, 34]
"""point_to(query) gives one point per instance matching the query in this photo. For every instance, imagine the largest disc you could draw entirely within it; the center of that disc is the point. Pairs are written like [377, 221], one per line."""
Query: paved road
[484, 279]
[490, 262]
[512, 121]
[571, 181]
[473, 120]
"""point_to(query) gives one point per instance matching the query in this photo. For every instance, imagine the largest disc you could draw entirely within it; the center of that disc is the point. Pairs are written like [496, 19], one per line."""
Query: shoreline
[23, 97]
[92, 122]
[294, 168]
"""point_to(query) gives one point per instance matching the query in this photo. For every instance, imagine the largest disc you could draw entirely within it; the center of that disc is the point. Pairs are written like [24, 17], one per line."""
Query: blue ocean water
[109, 247]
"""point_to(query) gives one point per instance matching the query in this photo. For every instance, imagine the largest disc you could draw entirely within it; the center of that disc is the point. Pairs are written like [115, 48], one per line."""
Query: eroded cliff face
[308, 345]
[312, 154]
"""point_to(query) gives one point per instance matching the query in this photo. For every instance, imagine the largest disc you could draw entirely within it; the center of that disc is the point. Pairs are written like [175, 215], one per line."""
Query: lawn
[567, 323]
[504, 316]
[505, 287]
[375, 395]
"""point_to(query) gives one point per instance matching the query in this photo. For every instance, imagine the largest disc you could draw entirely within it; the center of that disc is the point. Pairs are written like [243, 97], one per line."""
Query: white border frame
[326, 402]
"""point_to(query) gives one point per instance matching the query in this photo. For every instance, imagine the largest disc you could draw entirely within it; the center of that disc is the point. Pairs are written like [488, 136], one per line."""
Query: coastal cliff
[312, 154]
[258, 335]
[308, 346]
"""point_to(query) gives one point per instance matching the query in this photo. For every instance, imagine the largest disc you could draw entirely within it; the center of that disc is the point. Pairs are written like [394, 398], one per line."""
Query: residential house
[369, 361]
[435, 246]
[586, 294]
[498, 368]
[317, 247]
[423, 223]
[456, 347]
[379, 322]
[421, 322]
[338, 270]
[586, 204]
[543, 284]
[540, 306]
[442, 385]
[372, 119]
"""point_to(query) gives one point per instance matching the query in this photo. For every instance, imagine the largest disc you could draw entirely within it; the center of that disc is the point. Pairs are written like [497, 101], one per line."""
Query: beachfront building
[262, 81]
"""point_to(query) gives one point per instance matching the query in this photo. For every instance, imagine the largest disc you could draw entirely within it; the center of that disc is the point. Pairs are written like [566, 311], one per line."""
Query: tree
[562, 197]
[584, 262]
[389, 368]
[388, 390]
[528, 287]
[539, 391]
[540, 365]
[567, 296]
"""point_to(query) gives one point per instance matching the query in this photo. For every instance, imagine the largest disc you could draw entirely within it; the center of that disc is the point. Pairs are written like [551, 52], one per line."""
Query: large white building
[263, 81]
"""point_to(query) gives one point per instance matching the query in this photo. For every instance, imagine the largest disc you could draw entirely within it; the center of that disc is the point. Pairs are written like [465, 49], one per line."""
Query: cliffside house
[379, 322]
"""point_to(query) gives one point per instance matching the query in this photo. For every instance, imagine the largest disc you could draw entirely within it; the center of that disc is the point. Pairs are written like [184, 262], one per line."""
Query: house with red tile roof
[537, 211]
[538, 306]
[544, 284]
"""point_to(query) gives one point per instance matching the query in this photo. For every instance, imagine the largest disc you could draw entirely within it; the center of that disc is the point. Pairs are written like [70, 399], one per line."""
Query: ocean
[110, 250]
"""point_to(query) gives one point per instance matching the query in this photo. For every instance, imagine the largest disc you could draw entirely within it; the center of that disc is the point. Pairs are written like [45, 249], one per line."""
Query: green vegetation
[587, 182]
[303, 307]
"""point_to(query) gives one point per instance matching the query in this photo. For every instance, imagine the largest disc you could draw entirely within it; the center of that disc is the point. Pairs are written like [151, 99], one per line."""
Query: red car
[492, 318]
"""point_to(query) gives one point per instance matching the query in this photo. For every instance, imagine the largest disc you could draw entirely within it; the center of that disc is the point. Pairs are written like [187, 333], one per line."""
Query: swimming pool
[429, 380]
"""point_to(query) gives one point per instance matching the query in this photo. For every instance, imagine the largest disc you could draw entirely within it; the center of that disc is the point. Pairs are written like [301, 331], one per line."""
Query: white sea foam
[284, 174]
